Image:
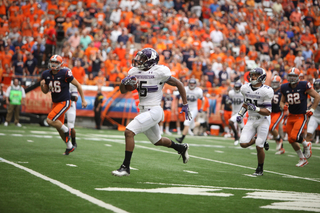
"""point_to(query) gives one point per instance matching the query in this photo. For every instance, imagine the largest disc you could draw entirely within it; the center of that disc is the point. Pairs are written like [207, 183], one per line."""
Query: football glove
[185, 109]
[239, 119]
[310, 112]
[128, 80]
[252, 107]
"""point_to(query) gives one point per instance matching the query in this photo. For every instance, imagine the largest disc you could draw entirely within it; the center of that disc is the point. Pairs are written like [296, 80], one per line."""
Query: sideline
[67, 188]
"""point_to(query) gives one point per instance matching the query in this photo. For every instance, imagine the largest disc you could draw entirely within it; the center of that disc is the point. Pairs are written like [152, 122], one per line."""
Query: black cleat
[179, 140]
[69, 150]
[75, 145]
[266, 145]
[122, 171]
[258, 172]
[184, 153]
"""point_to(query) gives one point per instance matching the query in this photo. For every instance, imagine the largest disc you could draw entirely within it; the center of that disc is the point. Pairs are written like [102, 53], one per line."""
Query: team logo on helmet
[261, 78]
[55, 62]
[145, 59]
[293, 75]
[276, 82]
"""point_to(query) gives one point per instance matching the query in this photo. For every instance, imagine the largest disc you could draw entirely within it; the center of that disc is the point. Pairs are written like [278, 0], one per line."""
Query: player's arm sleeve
[165, 74]
[69, 76]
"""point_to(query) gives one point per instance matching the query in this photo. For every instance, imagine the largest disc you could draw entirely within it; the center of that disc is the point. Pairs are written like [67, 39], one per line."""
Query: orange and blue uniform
[59, 87]
[167, 105]
[297, 118]
[277, 113]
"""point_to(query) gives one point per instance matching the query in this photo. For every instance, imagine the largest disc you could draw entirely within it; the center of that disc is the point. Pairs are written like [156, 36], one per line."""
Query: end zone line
[67, 188]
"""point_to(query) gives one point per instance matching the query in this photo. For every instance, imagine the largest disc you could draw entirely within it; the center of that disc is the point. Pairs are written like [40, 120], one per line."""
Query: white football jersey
[193, 96]
[237, 101]
[317, 110]
[260, 97]
[151, 83]
[73, 90]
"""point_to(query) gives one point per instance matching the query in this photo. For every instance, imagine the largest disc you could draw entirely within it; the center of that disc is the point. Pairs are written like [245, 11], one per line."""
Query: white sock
[64, 128]
[69, 145]
[167, 129]
[226, 129]
[179, 131]
[300, 154]
[304, 143]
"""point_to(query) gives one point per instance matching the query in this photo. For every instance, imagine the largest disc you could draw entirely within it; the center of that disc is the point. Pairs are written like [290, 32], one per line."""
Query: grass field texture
[35, 177]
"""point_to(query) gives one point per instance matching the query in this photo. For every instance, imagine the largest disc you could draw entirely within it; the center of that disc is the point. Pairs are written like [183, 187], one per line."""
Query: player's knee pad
[300, 139]
[260, 142]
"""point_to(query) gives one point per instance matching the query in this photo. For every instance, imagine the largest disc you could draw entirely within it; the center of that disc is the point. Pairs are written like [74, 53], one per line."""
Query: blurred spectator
[90, 80]
[15, 97]
[74, 41]
[17, 68]
[31, 65]
[78, 72]
[100, 79]
[51, 42]
[95, 62]
[223, 74]
[3, 110]
[97, 108]
[85, 39]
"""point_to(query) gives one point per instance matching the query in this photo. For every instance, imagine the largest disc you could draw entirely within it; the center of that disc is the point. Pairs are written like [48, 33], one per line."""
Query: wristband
[242, 111]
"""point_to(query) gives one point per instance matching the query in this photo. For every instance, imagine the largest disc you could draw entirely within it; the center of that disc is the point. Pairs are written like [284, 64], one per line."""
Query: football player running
[193, 94]
[237, 101]
[57, 80]
[257, 98]
[296, 94]
[314, 120]
[71, 114]
[152, 78]
[277, 114]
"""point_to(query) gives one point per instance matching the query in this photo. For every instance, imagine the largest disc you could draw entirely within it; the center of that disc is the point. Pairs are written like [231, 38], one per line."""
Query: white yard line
[67, 188]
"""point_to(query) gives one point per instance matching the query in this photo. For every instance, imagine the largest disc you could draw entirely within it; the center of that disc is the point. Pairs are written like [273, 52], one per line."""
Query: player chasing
[257, 98]
[296, 94]
[151, 79]
[277, 114]
[193, 94]
[56, 80]
[314, 120]
[237, 101]
[71, 114]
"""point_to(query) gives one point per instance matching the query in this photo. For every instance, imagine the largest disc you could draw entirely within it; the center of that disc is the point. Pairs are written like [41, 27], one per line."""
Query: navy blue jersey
[297, 97]
[276, 101]
[178, 100]
[227, 107]
[58, 84]
[167, 102]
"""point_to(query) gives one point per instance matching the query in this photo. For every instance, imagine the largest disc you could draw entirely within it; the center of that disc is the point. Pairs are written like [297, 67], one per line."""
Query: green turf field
[35, 177]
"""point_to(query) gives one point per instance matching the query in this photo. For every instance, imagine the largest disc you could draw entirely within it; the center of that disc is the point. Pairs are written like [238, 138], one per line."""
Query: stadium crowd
[216, 42]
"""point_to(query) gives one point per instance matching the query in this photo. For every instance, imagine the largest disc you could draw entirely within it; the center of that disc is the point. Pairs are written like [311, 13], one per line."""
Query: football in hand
[132, 85]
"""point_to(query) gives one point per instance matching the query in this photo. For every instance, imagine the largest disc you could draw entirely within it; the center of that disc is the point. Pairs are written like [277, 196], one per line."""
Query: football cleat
[122, 171]
[184, 153]
[302, 162]
[308, 151]
[75, 144]
[266, 145]
[68, 135]
[69, 150]
[236, 142]
[279, 144]
[179, 140]
[280, 152]
[258, 172]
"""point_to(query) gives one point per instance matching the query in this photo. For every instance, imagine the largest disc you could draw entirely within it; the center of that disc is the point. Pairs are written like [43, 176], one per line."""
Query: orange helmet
[55, 62]
[276, 82]
[293, 75]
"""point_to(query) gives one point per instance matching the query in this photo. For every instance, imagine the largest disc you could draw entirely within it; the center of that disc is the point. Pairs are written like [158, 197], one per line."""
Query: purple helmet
[316, 85]
[192, 83]
[145, 59]
[262, 75]
[237, 87]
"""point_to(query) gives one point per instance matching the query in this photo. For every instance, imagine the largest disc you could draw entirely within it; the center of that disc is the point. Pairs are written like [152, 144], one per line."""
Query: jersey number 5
[293, 98]
[55, 87]
[142, 90]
